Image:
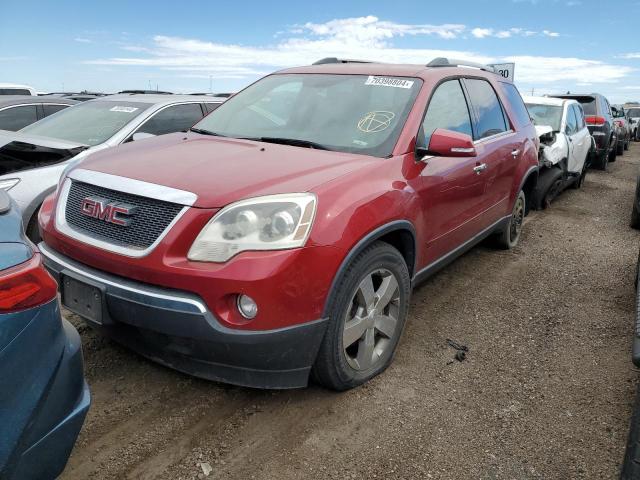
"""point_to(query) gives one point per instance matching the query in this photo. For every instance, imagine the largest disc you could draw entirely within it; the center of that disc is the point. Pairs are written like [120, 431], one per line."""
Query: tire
[613, 153]
[601, 161]
[580, 181]
[509, 237]
[631, 462]
[549, 186]
[635, 213]
[626, 144]
[378, 269]
[32, 230]
[620, 148]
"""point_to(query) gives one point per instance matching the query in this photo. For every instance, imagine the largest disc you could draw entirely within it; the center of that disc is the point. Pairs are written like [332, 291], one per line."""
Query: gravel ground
[545, 392]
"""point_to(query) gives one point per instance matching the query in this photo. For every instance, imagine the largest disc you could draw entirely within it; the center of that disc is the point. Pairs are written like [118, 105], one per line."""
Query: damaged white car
[565, 145]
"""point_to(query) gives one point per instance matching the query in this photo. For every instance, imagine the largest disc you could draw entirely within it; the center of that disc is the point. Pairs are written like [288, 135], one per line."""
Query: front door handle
[480, 168]
[515, 153]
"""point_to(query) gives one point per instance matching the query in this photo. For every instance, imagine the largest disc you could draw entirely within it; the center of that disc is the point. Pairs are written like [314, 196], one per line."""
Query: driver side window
[447, 109]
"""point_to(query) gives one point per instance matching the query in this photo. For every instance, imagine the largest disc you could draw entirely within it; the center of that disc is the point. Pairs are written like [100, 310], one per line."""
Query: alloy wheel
[372, 320]
[517, 217]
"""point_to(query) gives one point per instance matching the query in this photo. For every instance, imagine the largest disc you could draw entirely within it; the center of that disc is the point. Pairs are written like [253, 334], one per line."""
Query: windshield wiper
[205, 132]
[296, 142]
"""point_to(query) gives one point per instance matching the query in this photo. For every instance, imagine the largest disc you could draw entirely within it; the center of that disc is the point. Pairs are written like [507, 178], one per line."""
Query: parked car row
[33, 158]
[277, 237]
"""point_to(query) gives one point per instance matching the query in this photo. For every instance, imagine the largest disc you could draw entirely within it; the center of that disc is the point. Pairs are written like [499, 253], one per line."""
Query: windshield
[633, 112]
[89, 123]
[348, 113]
[550, 115]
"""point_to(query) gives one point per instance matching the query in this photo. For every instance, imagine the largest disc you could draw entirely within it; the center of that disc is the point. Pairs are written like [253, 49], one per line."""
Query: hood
[543, 130]
[19, 151]
[223, 170]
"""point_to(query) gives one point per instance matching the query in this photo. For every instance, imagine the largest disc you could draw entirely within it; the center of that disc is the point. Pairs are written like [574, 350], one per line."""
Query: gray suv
[599, 117]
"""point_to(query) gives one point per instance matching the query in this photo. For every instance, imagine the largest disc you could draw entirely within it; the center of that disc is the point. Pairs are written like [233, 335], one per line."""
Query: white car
[565, 145]
[633, 114]
[33, 159]
[15, 89]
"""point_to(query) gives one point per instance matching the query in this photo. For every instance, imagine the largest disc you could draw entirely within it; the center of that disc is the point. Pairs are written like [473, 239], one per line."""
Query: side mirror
[141, 136]
[448, 143]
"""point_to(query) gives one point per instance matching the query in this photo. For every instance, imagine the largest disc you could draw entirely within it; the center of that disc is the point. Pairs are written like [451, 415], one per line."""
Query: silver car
[33, 159]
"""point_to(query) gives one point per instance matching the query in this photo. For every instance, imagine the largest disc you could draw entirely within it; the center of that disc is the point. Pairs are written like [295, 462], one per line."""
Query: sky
[187, 46]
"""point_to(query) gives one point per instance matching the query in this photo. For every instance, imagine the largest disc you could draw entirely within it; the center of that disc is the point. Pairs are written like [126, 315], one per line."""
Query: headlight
[274, 222]
[9, 183]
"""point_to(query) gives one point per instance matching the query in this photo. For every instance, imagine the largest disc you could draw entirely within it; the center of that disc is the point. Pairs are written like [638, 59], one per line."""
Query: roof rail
[338, 60]
[450, 62]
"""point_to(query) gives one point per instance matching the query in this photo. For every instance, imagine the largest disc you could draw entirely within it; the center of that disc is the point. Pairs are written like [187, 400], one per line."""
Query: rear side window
[15, 118]
[175, 118]
[580, 116]
[489, 115]
[447, 109]
[572, 122]
[516, 102]
[51, 109]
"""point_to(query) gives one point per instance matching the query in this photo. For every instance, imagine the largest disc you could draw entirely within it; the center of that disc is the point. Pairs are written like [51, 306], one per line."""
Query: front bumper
[175, 328]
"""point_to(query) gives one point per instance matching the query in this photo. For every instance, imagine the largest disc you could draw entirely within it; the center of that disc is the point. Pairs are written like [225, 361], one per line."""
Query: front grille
[151, 217]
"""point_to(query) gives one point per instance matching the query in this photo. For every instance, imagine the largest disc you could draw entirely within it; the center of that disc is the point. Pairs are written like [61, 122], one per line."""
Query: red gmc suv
[282, 235]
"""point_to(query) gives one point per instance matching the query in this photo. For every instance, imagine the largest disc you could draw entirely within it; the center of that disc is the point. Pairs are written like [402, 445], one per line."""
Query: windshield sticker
[389, 82]
[374, 122]
[123, 109]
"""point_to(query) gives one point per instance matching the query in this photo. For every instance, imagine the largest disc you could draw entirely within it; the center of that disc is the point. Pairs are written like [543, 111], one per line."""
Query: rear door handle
[515, 153]
[480, 168]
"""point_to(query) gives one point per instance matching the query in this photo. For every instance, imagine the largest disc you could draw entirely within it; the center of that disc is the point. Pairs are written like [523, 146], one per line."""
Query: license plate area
[82, 299]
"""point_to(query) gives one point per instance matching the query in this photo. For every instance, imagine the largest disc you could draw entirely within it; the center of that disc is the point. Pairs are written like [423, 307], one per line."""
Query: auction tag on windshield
[389, 82]
[123, 109]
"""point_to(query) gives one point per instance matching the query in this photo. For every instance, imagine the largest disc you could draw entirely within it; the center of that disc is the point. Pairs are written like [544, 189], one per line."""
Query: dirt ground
[545, 392]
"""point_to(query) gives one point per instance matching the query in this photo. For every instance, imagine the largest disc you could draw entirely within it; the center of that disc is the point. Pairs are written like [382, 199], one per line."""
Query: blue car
[43, 395]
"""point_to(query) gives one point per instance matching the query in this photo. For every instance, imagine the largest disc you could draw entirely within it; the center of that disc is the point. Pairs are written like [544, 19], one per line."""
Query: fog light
[247, 306]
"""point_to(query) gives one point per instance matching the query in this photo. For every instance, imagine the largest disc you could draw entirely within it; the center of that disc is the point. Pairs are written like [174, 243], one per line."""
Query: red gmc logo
[110, 212]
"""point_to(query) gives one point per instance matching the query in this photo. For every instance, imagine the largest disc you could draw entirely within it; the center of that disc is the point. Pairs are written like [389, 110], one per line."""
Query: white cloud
[630, 56]
[511, 32]
[363, 37]
[536, 70]
[82, 40]
[482, 32]
[370, 28]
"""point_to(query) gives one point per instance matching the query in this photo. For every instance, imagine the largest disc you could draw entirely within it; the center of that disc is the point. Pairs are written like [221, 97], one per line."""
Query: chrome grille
[151, 218]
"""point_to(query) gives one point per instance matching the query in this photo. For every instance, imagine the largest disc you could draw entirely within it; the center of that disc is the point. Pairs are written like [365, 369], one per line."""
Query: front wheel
[509, 237]
[366, 317]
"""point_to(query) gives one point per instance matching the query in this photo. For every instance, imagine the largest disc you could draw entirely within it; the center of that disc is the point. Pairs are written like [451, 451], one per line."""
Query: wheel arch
[400, 234]
[528, 185]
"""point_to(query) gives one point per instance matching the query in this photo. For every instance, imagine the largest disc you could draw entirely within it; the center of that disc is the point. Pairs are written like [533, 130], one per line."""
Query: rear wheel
[367, 315]
[613, 153]
[601, 161]
[509, 237]
[620, 147]
[635, 212]
[580, 181]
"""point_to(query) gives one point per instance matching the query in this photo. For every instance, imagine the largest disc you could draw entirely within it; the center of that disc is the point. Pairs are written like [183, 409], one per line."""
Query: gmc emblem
[111, 212]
